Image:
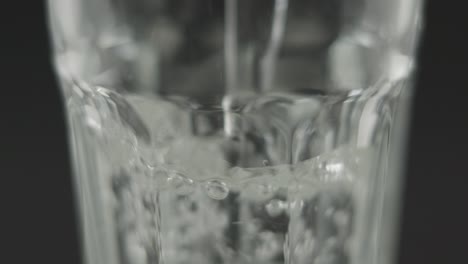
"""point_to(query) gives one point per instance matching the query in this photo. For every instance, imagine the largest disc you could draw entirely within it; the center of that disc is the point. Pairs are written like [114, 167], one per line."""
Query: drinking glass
[237, 131]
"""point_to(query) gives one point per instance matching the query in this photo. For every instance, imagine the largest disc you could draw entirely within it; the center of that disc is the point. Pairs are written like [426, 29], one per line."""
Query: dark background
[36, 187]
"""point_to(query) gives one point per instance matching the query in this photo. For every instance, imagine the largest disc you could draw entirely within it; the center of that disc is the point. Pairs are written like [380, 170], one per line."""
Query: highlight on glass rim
[237, 131]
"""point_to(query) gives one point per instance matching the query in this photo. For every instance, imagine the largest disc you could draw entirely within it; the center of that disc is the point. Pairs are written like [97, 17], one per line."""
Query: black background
[38, 221]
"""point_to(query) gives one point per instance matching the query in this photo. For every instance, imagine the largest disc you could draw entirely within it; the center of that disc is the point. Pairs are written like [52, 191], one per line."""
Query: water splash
[268, 64]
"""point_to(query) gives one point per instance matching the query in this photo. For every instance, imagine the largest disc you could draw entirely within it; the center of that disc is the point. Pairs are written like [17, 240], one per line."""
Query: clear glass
[237, 131]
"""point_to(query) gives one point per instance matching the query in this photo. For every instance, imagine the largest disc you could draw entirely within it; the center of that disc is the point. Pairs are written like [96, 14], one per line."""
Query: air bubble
[275, 207]
[217, 189]
[181, 184]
